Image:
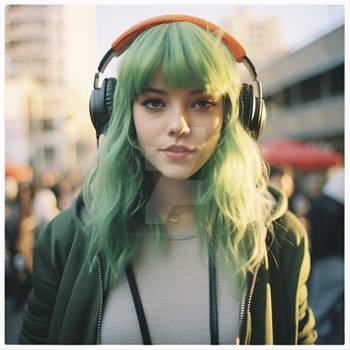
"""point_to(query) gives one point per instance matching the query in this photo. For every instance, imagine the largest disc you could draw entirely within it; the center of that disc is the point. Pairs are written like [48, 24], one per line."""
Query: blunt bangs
[187, 56]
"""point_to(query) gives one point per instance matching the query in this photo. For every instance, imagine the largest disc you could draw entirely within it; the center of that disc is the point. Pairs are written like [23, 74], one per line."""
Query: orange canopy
[21, 172]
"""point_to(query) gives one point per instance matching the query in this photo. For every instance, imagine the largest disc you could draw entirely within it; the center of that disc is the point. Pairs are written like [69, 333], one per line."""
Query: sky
[301, 24]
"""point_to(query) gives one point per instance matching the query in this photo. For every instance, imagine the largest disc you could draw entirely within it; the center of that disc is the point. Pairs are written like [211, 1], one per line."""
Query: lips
[178, 148]
[178, 152]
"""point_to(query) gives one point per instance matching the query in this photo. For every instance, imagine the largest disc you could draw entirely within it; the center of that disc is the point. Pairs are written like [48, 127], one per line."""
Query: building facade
[24, 107]
[304, 92]
[54, 46]
[261, 38]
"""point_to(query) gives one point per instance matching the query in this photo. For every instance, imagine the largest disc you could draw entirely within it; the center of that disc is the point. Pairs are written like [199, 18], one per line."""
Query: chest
[173, 285]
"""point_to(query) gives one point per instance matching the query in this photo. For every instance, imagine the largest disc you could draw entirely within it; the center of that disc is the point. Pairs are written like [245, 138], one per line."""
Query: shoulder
[64, 232]
[289, 229]
[290, 243]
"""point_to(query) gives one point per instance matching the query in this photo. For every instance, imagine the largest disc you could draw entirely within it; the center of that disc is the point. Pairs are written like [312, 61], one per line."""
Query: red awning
[300, 155]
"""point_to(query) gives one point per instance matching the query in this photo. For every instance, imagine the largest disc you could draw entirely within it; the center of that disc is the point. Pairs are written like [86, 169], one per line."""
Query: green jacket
[66, 303]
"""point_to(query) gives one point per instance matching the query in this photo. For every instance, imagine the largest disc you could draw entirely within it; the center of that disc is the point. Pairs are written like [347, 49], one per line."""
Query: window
[48, 124]
[336, 77]
[311, 89]
[49, 155]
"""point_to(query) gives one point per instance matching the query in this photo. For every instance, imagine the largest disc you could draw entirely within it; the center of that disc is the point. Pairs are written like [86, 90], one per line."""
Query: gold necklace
[174, 217]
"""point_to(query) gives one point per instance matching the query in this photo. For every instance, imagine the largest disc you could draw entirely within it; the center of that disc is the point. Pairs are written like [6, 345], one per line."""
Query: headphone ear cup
[252, 111]
[101, 105]
[259, 118]
[246, 105]
[111, 84]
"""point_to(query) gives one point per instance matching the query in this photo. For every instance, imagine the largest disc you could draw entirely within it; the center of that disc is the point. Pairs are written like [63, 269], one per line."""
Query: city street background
[51, 56]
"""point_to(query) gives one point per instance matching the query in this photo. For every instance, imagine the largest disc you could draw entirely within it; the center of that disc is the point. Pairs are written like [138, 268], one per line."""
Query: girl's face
[177, 129]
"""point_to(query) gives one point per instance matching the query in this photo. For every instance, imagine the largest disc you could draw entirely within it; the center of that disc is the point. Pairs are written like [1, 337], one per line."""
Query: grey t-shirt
[174, 289]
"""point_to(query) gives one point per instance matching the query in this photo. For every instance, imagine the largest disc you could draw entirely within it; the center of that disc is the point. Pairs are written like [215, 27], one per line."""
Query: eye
[153, 103]
[203, 104]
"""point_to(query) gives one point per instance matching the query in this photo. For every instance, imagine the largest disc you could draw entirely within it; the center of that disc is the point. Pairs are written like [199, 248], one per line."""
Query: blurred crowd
[317, 198]
[29, 206]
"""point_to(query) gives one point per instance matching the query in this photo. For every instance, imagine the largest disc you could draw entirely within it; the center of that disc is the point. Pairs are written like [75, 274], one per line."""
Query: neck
[169, 193]
[172, 194]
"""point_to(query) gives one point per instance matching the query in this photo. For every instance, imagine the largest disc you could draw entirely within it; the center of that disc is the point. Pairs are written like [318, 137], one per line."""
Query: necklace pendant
[173, 218]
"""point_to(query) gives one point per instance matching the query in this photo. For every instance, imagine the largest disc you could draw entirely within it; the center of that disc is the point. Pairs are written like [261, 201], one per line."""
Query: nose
[178, 124]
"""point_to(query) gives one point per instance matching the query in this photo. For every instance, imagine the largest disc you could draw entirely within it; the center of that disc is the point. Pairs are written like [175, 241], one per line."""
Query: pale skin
[183, 116]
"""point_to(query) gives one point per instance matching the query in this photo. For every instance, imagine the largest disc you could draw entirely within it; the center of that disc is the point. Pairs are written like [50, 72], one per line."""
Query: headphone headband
[120, 44]
[124, 40]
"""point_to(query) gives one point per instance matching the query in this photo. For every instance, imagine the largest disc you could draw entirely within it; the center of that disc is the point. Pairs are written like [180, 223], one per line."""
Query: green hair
[116, 192]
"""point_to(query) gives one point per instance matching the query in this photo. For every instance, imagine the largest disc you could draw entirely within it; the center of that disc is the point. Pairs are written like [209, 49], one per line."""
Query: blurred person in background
[283, 180]
[299, 203]
[20, 229]
[12, 219]
[326, 285]
[312, 184]
[301, 206]
[28, 226]
[45, 207]
[69, 188]
[141, 223]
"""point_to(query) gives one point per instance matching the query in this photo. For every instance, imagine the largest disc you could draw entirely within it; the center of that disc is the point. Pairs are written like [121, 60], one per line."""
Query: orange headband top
[125, 39]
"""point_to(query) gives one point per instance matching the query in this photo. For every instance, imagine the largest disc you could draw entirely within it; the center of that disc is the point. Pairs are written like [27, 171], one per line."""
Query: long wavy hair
[233, 211]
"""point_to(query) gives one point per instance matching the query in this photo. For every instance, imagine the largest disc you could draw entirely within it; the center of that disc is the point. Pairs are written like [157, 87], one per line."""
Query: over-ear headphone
[252, 106]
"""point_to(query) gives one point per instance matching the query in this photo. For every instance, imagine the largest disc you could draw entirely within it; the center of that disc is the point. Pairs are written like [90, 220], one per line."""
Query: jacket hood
[79, 211]
[280, 203]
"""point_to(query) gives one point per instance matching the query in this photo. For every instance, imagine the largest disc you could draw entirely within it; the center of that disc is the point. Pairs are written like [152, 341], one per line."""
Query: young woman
[176, 237]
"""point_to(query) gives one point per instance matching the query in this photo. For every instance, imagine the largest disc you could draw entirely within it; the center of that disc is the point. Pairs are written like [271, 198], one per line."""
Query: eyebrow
[163, 92]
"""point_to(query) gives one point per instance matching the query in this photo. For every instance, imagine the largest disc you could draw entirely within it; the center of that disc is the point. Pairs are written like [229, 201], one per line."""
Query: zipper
[100, 309]
[246, 302]
[241, 316]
